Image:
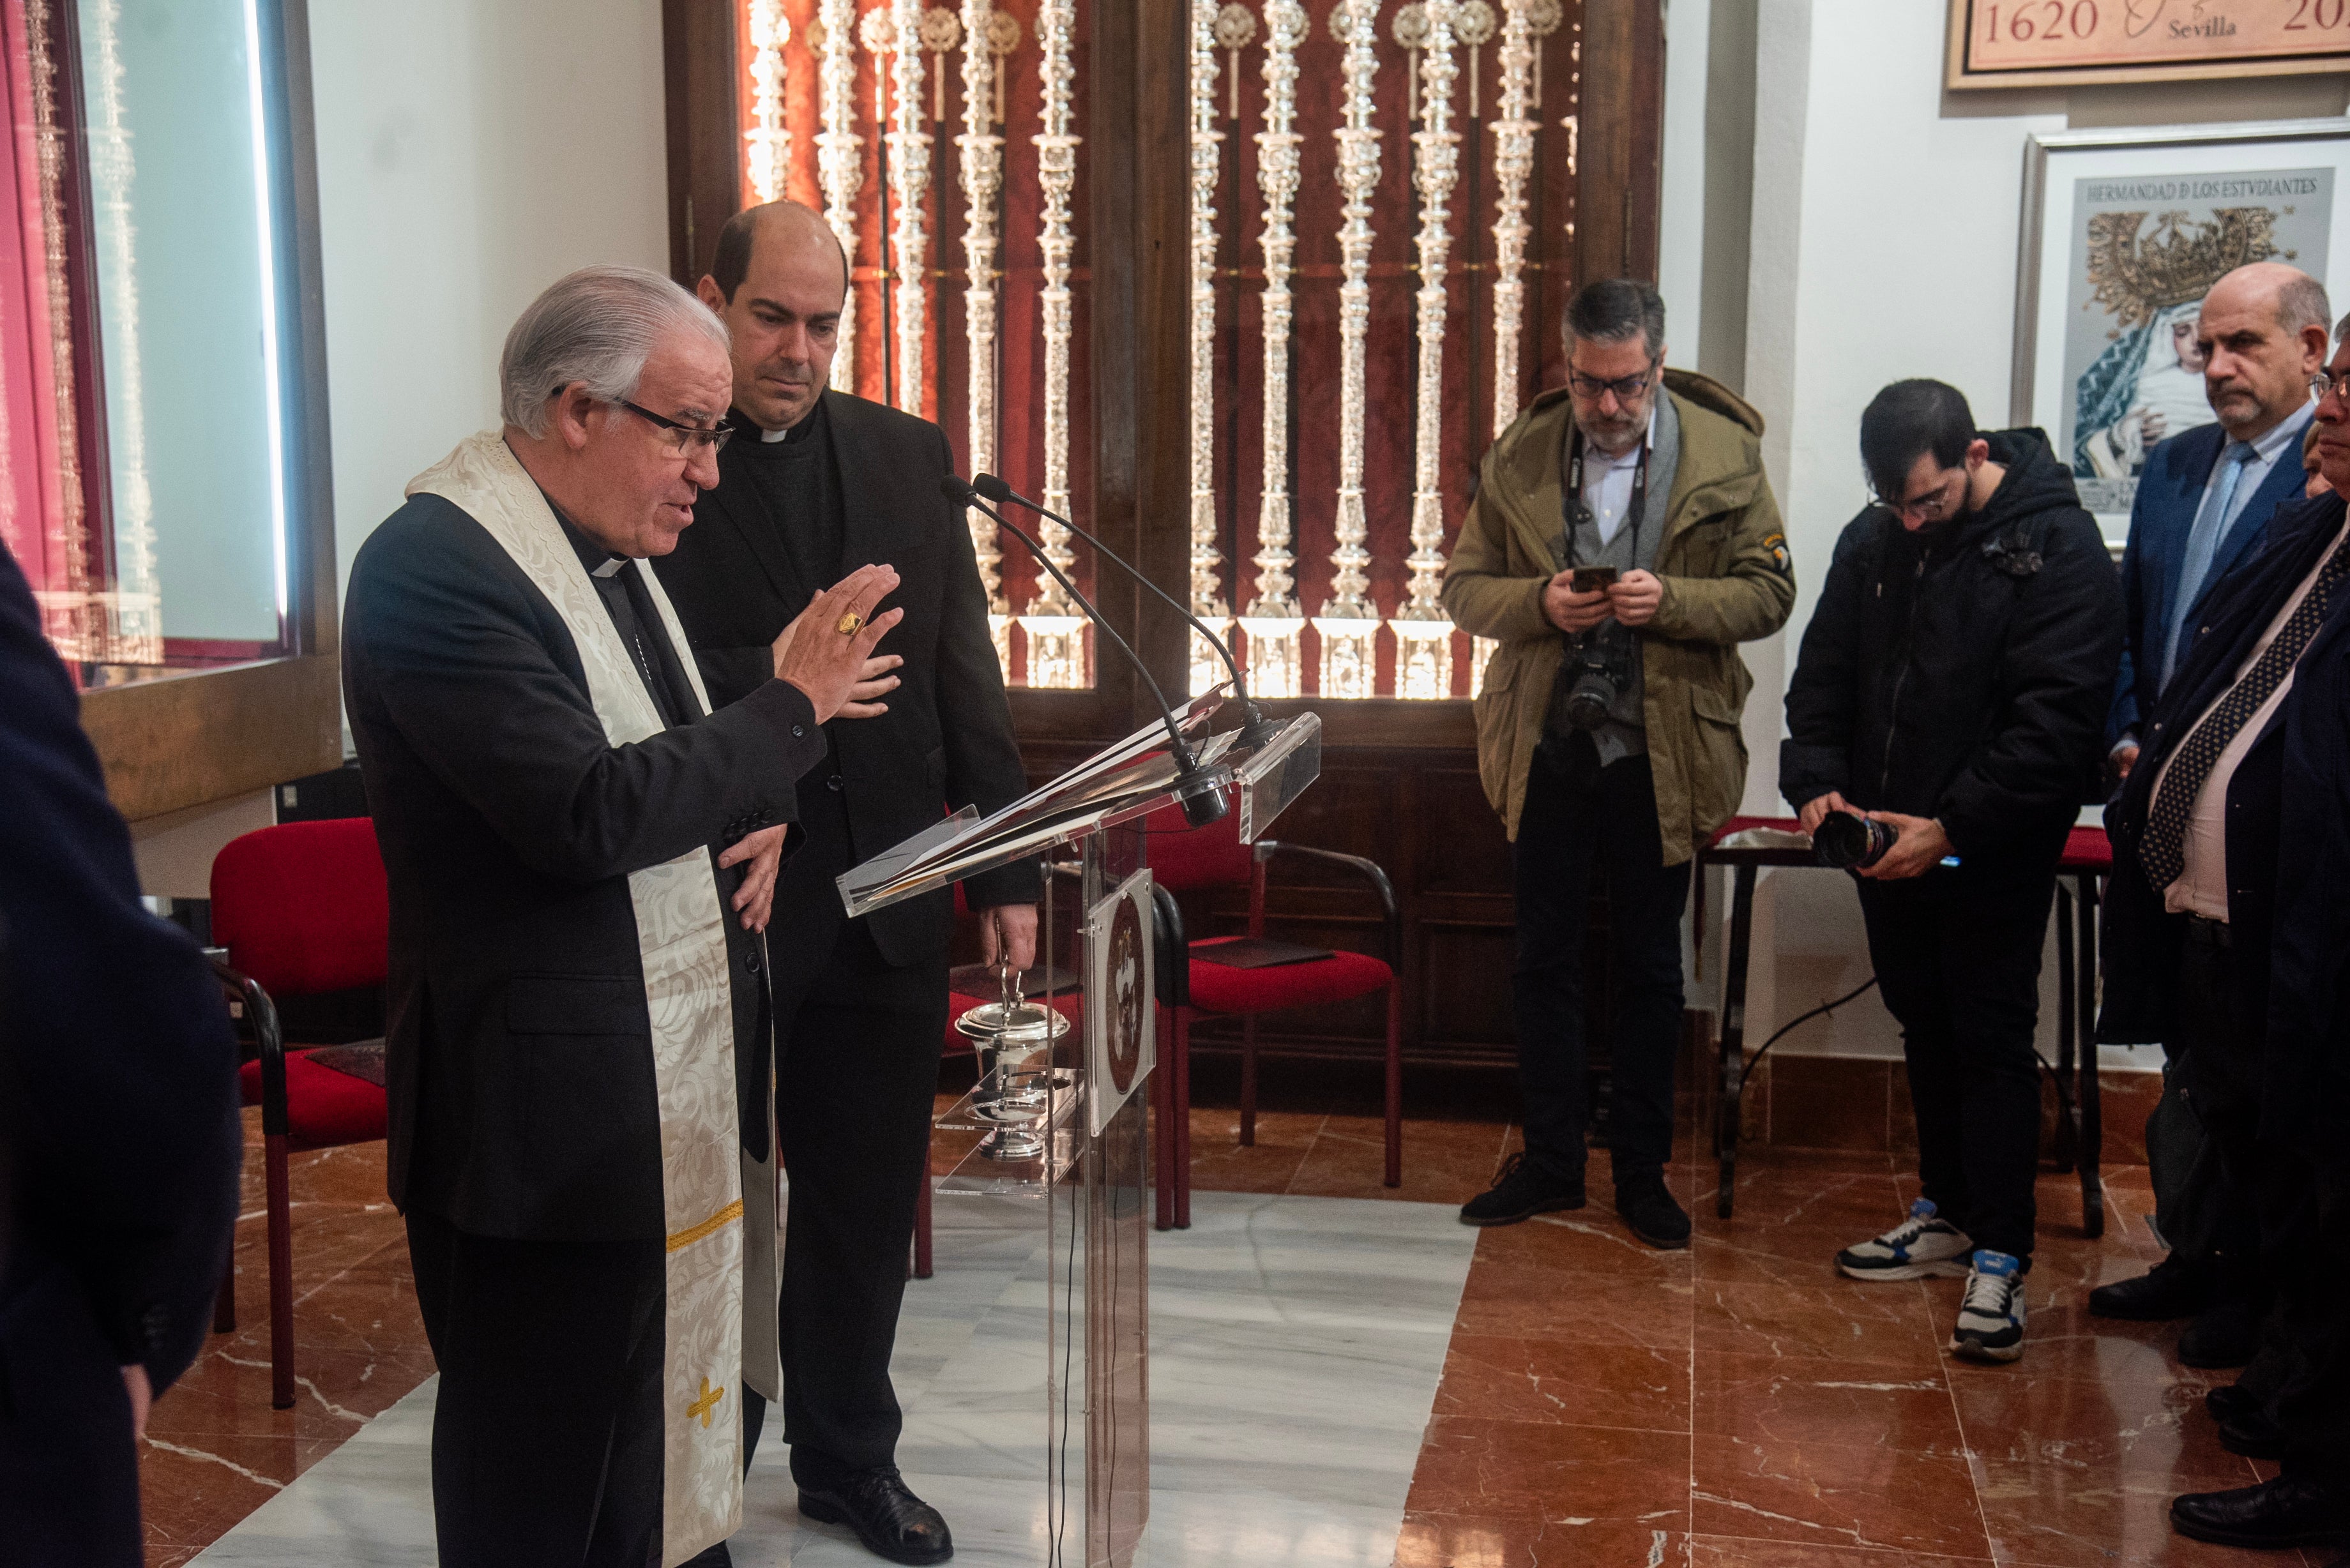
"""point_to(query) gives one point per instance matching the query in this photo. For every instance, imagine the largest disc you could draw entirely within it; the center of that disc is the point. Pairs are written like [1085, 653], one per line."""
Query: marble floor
[1296, 1349]
[1593, 1401]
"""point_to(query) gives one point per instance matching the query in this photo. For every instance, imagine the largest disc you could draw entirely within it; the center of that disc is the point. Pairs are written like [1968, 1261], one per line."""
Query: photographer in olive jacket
[1607, 722]
[1952, 687]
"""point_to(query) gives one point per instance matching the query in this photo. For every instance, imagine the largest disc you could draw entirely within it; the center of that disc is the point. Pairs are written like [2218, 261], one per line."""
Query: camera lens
[1848, 843]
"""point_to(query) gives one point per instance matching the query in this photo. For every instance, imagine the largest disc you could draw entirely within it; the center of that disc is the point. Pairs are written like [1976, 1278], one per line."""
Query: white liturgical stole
[715, 1258]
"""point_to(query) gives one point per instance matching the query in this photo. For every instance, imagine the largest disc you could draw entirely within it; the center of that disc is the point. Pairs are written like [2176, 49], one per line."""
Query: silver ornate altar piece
[1054, 630]
[1423, 632]
[983, 179]
[1274, 625]
[840, 167]
[1348, 625]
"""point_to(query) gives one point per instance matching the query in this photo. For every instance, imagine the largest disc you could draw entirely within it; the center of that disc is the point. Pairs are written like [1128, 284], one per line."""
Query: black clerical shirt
[797, 481]
[626, 600]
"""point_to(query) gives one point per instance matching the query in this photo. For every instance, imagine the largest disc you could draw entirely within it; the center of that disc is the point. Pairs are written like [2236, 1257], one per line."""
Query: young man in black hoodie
[1952, 688]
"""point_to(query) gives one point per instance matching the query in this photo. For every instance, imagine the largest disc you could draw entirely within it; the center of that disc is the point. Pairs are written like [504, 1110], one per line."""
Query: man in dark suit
[816, 482]
[2204, 503]
[119, 1134]
[577, 1041]
[2228, 930]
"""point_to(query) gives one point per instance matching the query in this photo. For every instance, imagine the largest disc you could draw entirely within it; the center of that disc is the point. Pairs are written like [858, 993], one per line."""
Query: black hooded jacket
[1962, 672]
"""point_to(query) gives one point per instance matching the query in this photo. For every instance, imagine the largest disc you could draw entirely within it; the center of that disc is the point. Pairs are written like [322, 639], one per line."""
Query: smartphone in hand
[1592, 579]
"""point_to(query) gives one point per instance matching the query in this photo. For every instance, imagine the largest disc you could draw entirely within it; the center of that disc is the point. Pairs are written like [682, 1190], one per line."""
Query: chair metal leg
[1162, 1127]
[2068, 1111]
[1733, 1037]
[922, 1213]
[1395, 1083]
[224, 1304]
[1248, 1082]
[1182, 1123]
[2092, 1109]
[281, 1274]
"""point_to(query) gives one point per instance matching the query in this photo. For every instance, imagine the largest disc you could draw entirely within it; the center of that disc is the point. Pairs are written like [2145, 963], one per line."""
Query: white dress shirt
[1607, 483]
[2202, 885]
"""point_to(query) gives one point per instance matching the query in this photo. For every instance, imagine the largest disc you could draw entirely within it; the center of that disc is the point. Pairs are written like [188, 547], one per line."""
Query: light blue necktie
[2204, 543]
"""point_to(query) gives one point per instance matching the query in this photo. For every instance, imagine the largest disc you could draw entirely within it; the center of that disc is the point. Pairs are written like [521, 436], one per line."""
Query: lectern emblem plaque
[1120, 1014]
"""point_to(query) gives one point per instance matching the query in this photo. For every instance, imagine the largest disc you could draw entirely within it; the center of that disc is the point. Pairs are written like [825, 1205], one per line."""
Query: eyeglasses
[683, 439]
[1625, 387]
[1926, 509]
[2326, 382]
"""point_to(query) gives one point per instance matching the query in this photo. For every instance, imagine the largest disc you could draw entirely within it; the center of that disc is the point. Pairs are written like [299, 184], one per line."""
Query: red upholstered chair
[301, 909]
[1183, 859]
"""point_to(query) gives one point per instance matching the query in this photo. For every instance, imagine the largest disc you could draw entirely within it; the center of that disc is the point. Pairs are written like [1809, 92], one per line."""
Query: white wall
[469, 154]
[1680, 240]
[1883, 244]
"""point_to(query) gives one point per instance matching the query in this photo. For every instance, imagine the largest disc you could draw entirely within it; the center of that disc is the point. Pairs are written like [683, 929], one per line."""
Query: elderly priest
[581, 858]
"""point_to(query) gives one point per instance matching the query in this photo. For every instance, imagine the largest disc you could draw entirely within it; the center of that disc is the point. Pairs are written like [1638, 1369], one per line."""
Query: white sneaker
[1923, 1244]
[1990, 1314]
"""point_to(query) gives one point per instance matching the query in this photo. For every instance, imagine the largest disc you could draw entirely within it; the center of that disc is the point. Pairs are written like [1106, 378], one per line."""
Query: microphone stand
[1201, 797]
[1256, 729]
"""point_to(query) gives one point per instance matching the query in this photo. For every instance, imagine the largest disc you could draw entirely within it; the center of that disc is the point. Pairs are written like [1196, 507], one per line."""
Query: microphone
[1256, 729]
[1201, 797]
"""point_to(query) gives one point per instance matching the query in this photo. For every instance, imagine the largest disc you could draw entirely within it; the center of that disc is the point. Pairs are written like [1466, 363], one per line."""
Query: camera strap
[1573, 509]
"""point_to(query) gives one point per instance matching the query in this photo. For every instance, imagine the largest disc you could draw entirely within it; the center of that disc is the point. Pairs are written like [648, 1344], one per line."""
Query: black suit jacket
[120, 1139]
[518, 1056]
[2142, 941]
[946, 740]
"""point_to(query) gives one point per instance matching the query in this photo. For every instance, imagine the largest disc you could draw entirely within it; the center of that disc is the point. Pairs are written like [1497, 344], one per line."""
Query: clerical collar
[599, 561]
[792, 438]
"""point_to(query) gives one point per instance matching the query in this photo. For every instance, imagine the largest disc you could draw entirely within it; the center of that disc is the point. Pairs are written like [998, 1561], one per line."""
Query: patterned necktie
[2203, 543]
[2163, 848]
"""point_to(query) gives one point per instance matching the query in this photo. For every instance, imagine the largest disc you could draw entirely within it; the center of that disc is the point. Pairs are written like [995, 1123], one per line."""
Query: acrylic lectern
[1052, 1145]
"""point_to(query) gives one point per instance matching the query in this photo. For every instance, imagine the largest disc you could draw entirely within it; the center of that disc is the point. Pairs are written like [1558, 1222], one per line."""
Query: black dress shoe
[2254, 1436]
[891, 1521]
[2290, 1511]
[711, 1557]
[2226, 1334]
[2232, 1402]
[2173, 1288]
[1652, 1213]
[1520, 1191]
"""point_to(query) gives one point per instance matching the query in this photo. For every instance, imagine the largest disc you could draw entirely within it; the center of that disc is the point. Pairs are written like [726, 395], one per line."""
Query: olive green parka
[1727, 576]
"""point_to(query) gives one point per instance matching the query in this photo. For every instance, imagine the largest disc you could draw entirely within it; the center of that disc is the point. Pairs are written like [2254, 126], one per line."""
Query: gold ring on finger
[850, 624]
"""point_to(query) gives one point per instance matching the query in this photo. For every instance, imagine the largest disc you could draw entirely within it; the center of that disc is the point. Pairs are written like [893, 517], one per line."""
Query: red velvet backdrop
[1391, 372]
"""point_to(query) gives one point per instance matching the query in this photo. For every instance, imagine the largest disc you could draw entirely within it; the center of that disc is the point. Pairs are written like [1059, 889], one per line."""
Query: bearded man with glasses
[1952, 687]
[1622, 543]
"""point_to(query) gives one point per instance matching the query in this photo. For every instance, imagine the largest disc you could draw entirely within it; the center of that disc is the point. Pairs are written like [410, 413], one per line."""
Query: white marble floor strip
[1295, 1348]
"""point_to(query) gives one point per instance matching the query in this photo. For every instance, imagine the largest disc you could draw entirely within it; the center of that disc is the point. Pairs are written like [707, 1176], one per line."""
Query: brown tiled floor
[1733, 1405]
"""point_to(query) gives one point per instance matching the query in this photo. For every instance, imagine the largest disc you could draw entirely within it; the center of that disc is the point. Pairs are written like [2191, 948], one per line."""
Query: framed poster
[2124, 232]
[2071, 43]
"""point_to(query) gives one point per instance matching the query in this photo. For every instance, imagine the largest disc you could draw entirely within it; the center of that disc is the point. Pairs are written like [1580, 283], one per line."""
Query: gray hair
[1612, 310]
[2301, 303]
[597, 327]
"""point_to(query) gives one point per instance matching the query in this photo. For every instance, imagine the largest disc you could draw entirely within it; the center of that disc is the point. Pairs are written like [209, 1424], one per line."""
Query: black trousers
[2309, 1330]
[1584, 823]
[1956, 953]
[2219, 1074]
[547, 1438]
[856, 1053]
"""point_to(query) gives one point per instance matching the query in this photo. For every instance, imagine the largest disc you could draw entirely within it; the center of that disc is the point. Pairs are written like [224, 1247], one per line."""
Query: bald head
[2263, 334]
[792, 224]
[779, 281]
